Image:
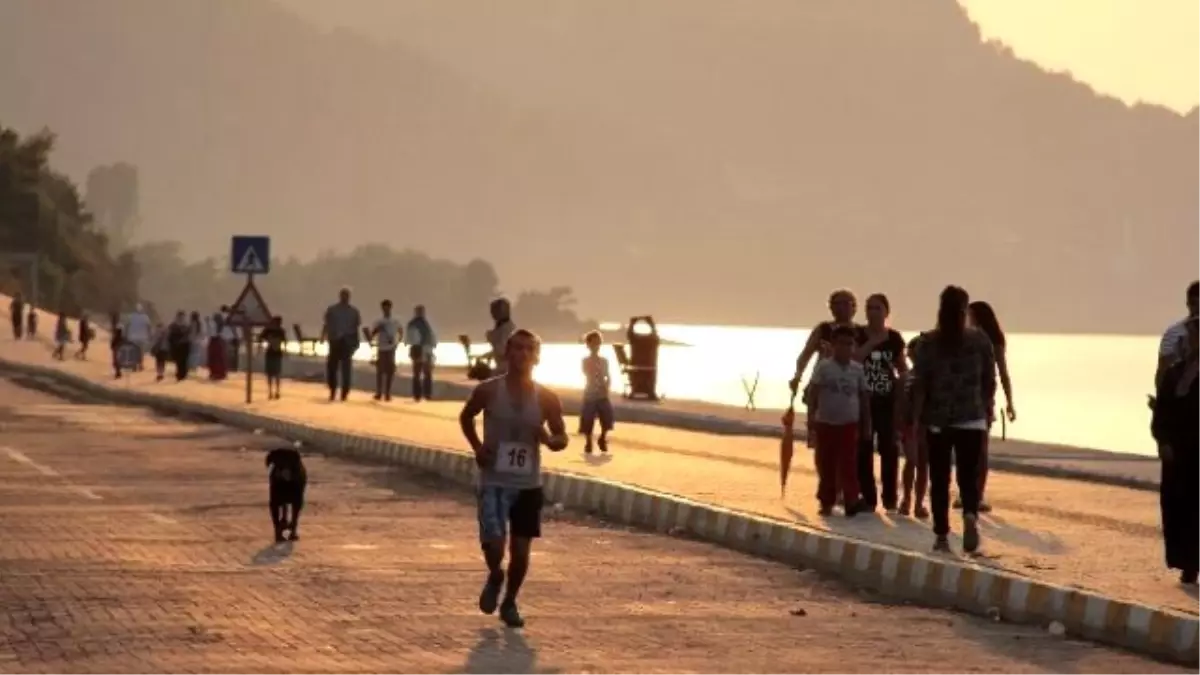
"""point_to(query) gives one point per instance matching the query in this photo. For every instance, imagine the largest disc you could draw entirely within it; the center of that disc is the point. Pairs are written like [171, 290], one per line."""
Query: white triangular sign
[249, 309]
[250, 262]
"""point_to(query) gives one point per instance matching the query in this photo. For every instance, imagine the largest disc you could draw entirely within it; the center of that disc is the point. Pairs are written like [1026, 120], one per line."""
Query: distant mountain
[693, 160]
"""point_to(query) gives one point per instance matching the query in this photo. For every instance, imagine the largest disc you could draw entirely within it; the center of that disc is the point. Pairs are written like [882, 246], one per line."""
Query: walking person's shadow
[502, 651]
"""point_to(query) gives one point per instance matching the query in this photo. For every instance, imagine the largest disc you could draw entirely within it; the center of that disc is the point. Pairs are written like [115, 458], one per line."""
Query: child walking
[62, 336]
[85, 337]
[118, 339]
[915, 476]
[841, 399]
[274, 337]
[595, 394]
[161, 348]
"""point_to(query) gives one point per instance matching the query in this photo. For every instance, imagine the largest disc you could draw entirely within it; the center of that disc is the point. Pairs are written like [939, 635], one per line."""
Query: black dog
[287, 480]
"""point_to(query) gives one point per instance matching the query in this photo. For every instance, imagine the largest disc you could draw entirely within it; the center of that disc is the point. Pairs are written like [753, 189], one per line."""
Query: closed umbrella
[787, 445]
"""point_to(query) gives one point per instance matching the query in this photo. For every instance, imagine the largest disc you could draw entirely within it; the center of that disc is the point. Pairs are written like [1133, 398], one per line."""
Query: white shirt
[137, 327]
[387, 331]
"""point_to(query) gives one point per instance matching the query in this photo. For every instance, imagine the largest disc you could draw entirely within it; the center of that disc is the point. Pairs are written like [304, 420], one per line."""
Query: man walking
[498, 335]
[422, 342]
[386, 333]
[340, 332]
[1172, 347]
[519, 416]
[16, 311]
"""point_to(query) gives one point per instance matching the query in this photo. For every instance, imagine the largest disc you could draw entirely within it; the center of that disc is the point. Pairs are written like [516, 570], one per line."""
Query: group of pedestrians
[342, 331]
[930, 400]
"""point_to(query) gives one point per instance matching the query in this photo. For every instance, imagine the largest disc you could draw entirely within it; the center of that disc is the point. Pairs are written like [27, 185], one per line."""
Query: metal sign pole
[248, 341]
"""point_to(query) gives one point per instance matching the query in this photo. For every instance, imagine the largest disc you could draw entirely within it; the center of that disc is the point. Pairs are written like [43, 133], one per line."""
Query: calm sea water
[1078, 390]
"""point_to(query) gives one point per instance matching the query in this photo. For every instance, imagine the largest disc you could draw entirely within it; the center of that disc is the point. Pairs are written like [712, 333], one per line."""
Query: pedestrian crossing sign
[250, 255]
[249, 309]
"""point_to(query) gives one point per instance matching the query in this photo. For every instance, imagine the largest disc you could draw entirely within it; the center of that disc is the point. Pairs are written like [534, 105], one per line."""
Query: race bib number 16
[515, 458]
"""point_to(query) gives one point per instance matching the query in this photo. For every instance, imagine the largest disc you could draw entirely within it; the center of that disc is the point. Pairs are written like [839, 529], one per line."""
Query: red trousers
[837, 463]
[217, 367]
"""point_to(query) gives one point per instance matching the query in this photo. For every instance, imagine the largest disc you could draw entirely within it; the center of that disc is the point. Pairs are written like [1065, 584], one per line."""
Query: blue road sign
[250, 255]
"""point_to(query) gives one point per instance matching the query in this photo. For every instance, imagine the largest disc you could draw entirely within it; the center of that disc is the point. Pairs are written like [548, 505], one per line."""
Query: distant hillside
[714, 166]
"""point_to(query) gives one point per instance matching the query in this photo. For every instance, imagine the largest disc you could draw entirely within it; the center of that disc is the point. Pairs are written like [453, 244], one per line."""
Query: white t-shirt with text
[387, 333]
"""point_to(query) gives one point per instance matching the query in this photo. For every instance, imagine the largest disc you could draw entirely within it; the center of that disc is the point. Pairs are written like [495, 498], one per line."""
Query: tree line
[456, 295]
[42, 213]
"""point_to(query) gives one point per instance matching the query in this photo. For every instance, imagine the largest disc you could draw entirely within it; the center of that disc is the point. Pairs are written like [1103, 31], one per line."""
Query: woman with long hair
[954, 385]
[1176, 428]
[981, 315]
[880, 349]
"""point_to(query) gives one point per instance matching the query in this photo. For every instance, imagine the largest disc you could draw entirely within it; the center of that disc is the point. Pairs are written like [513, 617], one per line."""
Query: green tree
[455, 295]
[42, 213]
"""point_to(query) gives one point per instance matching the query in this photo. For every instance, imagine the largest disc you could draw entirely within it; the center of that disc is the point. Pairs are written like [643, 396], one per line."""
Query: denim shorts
[500, 506]
[601, 408]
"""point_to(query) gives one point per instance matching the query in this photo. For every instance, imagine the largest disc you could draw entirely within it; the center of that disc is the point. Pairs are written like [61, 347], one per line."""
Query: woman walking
[881, 351]
[197, 337]
[179, 343]
[915, 475]
[1176, 428]
[216, 351]
[954, 385]
[843, 305]
[983, 317]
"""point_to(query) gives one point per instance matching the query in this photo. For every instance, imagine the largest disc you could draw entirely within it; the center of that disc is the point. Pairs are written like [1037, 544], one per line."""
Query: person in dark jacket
[179, 344]
[954, 387]
[1176, 429]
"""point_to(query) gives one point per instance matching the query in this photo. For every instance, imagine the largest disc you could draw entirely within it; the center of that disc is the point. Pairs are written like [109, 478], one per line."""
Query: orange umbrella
[787, 445]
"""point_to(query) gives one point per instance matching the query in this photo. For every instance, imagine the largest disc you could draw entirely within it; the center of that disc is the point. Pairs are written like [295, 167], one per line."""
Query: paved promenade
[138, 543]
[1090, 536]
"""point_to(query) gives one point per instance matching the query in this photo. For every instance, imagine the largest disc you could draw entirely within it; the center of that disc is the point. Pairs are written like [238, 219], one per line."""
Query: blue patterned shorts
[499, 507]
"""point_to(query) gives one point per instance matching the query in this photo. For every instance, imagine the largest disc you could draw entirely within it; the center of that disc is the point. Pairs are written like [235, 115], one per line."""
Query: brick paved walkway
[137, 543]
[1097, 537]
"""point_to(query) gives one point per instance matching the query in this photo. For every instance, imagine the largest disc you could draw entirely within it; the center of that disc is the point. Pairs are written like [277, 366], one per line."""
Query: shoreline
[1048, 459]
[1025, 457]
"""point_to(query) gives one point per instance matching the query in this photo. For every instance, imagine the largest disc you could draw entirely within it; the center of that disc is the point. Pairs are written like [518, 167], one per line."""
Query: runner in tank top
[881, 351]
[519, 417]
[843, 305]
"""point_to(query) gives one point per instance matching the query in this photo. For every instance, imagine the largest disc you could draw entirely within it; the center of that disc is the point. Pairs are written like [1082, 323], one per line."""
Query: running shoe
[489, 597]
[510, 616]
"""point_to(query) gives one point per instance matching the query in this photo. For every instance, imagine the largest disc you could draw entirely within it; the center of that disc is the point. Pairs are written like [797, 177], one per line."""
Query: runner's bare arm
[552, 412]
[466, 419]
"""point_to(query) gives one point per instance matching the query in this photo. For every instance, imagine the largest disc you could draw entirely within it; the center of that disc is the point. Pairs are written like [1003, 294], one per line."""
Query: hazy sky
[1132, 49]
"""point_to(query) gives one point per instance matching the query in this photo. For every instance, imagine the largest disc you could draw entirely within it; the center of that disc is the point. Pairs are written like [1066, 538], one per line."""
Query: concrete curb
[899, 573]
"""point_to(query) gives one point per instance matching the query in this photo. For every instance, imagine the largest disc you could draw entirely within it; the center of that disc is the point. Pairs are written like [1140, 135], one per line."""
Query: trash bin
[642, 337]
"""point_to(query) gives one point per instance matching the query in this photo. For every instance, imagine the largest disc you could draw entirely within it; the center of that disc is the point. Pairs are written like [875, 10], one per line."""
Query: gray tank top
[511, 424]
